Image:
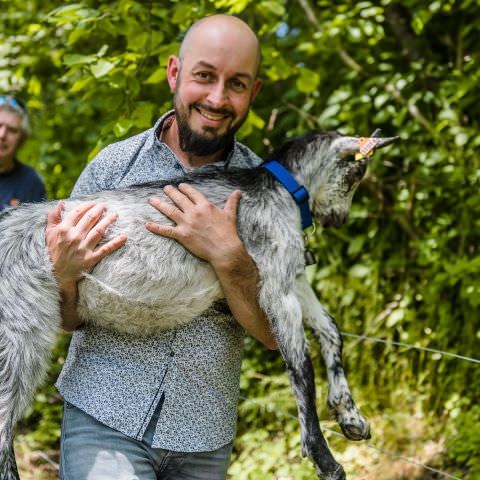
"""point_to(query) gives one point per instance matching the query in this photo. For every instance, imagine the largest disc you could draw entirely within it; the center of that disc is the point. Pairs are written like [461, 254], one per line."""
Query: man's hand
[211, 233]
[205, 230]
[72, 244]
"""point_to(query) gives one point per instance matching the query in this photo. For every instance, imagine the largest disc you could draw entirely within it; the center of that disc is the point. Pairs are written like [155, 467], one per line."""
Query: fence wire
[383, 451]
[393, 455]
[397, 456]
[408, 345]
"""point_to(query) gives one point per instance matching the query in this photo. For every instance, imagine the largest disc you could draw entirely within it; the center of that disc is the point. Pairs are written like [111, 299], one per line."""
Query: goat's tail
[29, 320]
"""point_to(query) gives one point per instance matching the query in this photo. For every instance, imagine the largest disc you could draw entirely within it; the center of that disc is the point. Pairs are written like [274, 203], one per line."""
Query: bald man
[165, 406]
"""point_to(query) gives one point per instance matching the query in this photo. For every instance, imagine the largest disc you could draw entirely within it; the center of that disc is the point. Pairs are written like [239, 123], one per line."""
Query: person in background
[19, 183]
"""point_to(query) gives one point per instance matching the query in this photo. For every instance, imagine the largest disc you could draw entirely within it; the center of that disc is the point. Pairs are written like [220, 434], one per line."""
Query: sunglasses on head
[13, 102]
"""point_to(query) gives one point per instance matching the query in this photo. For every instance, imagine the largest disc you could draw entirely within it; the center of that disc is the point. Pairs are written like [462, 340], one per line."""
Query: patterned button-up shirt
[119, 379]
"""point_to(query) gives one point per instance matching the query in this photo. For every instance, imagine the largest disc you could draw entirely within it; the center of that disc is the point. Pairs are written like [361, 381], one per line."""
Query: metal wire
[396, 455]
[402, 344]
[393, 455]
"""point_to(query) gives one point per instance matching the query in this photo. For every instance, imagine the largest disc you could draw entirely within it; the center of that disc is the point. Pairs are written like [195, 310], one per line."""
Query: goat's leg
[354, 426]
[286, 317]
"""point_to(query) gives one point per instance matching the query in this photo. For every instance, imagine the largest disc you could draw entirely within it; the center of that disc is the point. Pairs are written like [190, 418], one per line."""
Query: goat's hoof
[337, 474]
[356, 428]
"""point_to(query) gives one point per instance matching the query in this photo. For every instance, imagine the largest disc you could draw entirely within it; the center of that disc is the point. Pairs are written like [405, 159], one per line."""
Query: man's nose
[3, 131]
[217, 95]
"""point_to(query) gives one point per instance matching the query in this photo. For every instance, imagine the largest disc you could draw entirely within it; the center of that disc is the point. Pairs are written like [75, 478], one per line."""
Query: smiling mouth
[209, 115]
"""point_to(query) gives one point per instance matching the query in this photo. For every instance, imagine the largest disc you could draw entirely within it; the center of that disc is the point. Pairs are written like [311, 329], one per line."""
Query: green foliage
[464, 443]
[404, 268]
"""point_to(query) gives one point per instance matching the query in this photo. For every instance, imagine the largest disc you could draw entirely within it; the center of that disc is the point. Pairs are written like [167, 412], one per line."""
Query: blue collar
[297, 191]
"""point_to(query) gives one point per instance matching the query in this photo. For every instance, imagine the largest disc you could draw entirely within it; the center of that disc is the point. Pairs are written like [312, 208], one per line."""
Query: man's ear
[173, 70]
[257, 86]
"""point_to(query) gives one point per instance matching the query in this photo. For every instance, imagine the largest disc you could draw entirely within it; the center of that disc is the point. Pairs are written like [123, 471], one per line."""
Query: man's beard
[197, 143]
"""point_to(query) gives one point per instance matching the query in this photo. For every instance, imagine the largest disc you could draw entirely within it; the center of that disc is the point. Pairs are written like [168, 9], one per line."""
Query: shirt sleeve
[93, 178]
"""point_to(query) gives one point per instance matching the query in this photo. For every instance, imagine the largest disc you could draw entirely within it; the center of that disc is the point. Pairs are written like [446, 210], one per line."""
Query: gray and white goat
[153, 283]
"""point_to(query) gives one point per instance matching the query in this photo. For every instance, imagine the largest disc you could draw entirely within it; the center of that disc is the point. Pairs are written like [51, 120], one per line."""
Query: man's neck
[171, 138]
[7, 164]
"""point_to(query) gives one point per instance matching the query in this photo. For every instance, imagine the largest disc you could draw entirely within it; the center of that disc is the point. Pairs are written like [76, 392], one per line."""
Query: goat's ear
[345, 146]
[360, 146]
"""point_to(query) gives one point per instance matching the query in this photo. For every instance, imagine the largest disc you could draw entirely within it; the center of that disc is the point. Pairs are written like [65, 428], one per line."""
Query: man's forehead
[11, 118]
[222, 40]
[212, 66]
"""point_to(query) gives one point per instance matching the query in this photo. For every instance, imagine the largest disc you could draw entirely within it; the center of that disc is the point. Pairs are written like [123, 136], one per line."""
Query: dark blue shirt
[21, 185]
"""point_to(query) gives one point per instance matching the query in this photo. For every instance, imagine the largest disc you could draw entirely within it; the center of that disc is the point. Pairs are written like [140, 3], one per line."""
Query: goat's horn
[368, 145]
[383, 142]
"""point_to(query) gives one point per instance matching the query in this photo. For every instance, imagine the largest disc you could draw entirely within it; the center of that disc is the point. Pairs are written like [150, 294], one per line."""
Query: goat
[153, 283]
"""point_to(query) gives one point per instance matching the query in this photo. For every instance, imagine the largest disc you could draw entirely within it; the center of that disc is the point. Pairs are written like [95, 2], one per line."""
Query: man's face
[10, 135]
[214, 86]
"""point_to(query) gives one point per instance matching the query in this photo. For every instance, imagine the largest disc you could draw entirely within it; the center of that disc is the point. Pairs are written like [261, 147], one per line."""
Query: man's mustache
[218, 111]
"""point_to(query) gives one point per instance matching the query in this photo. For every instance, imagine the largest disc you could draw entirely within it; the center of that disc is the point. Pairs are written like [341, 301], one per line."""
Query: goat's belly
[147, 306]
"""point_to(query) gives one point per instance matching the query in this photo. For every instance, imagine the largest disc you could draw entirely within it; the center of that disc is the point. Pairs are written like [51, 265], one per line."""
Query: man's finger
[55, 215]
[167, 209]
[163, 230]
[181, 200]
[108, 248]
[72, 218]
[196, 196]
[90, 218]
[98, 231]
[231, 205]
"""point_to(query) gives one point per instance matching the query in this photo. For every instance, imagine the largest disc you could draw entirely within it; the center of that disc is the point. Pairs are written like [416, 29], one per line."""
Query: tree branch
[350, 62]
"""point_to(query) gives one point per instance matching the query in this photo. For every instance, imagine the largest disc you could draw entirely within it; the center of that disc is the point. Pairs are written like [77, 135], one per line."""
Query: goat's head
[327, 164]
[339, 175]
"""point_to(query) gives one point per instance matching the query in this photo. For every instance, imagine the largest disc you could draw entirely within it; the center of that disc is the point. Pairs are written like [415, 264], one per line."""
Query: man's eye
[237, 85]
[203, 75]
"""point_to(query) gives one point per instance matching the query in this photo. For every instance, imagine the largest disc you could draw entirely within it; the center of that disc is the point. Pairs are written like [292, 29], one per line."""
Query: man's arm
[72, 244]
[211, 233]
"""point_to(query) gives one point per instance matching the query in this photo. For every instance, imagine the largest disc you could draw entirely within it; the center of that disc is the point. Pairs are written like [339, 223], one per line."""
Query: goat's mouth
[332, 219]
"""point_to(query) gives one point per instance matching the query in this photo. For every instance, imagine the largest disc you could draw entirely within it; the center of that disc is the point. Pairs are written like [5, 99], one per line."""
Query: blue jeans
[93, 451]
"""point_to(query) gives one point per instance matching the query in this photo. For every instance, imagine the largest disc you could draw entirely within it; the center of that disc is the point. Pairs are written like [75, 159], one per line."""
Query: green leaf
[102, 68]
[76, 59]
[158, 76]
[359, 271]
[274, 7]
[395, 317]
[307, 81]
[137, 41]
[356, 244]
[102, 51]
[142, 115]
[81, 84]
[255, 120]
[122, 127]
[77, 34]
